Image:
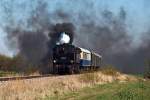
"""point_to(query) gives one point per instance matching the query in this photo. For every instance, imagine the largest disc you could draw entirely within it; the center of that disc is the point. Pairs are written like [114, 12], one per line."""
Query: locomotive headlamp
[71, 61]
[54, 61]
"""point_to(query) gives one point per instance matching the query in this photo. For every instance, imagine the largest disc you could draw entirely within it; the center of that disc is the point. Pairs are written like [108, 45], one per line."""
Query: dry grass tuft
[91, 78]
[110, 70]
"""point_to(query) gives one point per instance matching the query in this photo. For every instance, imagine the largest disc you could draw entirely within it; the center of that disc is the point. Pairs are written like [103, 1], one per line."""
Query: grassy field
[6, 73]
[101, 85]
[113, 91]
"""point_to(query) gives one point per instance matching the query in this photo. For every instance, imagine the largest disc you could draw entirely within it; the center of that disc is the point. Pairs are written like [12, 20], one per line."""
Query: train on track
[68, 58]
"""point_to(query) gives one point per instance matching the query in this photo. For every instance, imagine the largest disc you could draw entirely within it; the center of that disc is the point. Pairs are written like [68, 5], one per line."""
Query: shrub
[147, 70]
[109, 70]
[5, 62]
[147, 75]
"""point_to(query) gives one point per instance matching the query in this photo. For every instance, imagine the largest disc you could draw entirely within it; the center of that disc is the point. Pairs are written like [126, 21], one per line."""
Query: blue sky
[138, 12]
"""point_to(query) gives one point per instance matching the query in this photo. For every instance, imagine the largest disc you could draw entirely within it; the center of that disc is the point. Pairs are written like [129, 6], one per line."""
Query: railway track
[24, 77]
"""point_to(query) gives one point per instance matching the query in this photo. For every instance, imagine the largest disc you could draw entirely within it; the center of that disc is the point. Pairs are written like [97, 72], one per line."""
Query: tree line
[16, 64]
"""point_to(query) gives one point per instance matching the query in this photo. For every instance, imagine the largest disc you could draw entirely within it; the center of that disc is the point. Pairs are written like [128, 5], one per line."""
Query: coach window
[84, 55]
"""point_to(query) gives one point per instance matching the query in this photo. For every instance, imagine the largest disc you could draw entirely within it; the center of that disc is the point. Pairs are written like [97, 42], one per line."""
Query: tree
[5, 63]
[147, 69]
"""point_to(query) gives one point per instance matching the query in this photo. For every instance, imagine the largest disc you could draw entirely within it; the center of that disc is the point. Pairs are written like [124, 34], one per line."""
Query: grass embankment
[113, 91]
[76, 87]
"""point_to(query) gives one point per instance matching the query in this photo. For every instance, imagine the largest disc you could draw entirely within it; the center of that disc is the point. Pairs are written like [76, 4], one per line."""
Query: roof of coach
[97, 54]
[84, 50]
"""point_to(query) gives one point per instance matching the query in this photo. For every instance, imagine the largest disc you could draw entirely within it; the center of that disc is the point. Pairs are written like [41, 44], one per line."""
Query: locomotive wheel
[54, 70]
[77, 70]
[71, 71]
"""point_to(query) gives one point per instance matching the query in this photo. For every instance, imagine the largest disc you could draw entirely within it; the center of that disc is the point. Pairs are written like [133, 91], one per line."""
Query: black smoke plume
[57, 29]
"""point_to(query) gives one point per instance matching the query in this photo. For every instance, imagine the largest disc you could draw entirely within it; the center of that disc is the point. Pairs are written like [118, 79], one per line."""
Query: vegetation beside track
[113, 91]
[8, 73]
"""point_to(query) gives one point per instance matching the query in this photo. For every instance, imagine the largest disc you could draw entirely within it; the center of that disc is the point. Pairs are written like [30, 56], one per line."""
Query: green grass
[112, 91]
[7, 73]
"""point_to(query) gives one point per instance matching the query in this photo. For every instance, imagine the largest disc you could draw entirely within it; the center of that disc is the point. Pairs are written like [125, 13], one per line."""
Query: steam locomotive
[68, 58]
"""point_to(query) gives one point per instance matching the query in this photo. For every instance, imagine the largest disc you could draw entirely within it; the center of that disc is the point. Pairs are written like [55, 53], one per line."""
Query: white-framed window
[84, 55]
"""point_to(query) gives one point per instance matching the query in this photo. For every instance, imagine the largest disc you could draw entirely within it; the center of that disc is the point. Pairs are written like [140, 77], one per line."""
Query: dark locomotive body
[70, 59]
